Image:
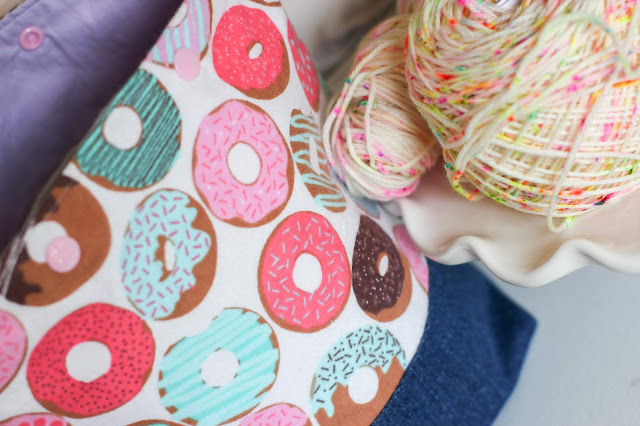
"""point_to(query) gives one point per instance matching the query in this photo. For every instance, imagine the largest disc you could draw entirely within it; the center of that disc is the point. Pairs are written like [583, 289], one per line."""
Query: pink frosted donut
[132, 351]
[416, 259]
[249, 53]
[304, 67]
[304, 233]
[13, 347]
[277, 415]
[183, 44]
[241, 204]
[39, 419]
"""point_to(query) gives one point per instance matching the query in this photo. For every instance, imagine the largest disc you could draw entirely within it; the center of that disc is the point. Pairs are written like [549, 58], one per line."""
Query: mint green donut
[154, 155]
[251, 339]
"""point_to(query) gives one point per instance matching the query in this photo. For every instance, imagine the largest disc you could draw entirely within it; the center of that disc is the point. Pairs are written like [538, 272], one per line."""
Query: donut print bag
[197, 263]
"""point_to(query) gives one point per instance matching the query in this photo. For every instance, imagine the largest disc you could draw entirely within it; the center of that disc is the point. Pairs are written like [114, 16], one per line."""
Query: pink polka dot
[63, 254]
[187, 64]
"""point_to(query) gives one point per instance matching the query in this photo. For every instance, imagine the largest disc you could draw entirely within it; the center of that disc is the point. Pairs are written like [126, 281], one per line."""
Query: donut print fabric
[168, 257]
[249, 53]
[63, 248]
[196, 262]
[235, 199]
[137, 140]
[184, 42]
[13, 347]
[278, 414]
[311, 161]
[369, 348]
[36, 419]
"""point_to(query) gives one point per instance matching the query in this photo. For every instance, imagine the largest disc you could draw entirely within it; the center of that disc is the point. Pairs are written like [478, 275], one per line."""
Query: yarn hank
[535, 103]
[375, 139]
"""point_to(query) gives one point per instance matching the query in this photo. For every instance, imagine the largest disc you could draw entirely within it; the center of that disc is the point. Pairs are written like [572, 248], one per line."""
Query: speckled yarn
[534, 102]
[375, 139]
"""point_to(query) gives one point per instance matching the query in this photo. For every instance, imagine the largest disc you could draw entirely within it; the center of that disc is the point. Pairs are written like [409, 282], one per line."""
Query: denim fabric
[469, 358]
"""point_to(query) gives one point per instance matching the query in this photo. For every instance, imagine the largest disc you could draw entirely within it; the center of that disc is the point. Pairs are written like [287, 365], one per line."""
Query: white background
[583, 367]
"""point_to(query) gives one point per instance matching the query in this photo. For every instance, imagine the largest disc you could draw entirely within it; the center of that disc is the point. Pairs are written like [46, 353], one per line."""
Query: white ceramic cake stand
[516, 246]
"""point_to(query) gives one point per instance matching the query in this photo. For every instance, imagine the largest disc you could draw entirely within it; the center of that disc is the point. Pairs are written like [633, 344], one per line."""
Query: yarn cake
[534, 102]
[374, 137]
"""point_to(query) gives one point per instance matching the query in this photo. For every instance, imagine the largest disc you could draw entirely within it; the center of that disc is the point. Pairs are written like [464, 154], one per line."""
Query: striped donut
[316, 175]
[184, 42]
[159, 138]
[183, 391]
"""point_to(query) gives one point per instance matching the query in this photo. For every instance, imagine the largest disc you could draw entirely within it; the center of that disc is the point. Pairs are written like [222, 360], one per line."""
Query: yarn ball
[375, 139]
[534, 102]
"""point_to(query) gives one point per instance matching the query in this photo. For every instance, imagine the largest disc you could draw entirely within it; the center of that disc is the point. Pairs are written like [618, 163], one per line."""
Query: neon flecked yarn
[374, 137]
[535, 102]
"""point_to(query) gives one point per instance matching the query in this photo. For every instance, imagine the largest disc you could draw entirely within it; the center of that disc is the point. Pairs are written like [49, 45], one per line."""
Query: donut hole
[307, 273]
[169, 255]
[123, 128]
[38, 238]
[88, 361]
[244, 163]
[383, 264]
[363, 385]
[180, 15]
[254, 50]
[219, 369]
[166, 254]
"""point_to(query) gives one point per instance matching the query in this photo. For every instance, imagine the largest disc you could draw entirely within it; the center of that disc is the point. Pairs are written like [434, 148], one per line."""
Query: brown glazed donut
[384, 297]
[72, 206]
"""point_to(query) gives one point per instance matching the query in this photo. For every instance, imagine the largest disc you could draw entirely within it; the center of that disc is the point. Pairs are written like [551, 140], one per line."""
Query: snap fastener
[31, 38]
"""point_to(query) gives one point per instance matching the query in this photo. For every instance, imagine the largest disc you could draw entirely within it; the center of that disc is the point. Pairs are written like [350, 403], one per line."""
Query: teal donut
[157, 149]
[369, 346]
[184, 393]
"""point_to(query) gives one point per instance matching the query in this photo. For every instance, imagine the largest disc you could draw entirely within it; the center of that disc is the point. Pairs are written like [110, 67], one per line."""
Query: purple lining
[50, 96]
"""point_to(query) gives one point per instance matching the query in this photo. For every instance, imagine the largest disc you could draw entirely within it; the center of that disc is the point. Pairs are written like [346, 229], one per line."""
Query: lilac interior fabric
[50, 96]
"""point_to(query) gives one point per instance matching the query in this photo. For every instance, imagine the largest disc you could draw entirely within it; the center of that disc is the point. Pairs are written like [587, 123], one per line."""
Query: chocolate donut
[84, 233]
[382, 296]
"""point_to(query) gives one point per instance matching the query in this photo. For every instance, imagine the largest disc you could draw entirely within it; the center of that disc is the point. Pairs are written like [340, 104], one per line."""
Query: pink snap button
[31, 38]
[187, 64]
[63, 254]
